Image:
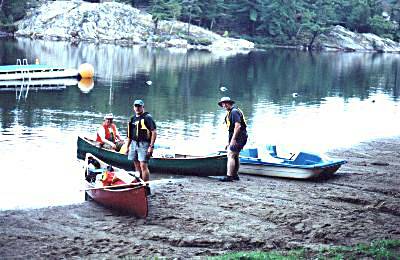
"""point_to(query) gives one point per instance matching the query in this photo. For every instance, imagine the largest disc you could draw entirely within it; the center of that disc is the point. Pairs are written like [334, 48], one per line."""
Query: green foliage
[12, 10]
[379, 249]
[381, 26]
[198, 41]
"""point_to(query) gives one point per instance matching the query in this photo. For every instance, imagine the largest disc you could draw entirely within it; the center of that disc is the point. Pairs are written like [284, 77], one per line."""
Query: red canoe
[126, 198]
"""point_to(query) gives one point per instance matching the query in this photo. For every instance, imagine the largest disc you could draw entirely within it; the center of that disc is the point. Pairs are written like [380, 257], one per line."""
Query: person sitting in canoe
[108, 135]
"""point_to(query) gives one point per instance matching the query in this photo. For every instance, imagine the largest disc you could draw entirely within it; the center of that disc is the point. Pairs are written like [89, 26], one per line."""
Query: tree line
[290, 22]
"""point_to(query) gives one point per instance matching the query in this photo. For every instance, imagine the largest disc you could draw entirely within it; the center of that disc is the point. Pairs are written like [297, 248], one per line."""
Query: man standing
[108, 135]
[142, 135]
[236, 125]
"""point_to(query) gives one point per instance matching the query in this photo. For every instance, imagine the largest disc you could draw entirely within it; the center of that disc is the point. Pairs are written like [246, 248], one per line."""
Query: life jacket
[108, 179]
[228, 120]
[137, 129]
[108, 135]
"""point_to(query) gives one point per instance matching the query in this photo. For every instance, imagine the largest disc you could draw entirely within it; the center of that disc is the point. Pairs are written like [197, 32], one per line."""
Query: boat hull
[286, 172]
[132, 201]
[300, 165]
[214, 165]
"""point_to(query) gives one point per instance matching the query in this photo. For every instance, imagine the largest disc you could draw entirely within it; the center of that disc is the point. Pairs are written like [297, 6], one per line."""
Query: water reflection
[342, 99]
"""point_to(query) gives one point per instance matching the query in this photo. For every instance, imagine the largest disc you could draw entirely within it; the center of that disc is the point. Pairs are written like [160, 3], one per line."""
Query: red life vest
[108, 134]
[108, 178]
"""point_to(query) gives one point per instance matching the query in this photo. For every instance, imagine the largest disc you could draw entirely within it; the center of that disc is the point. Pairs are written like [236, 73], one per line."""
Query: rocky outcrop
[118, 23]
[340, 38]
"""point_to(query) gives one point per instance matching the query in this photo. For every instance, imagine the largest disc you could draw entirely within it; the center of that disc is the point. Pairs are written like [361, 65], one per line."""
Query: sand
[196, 216]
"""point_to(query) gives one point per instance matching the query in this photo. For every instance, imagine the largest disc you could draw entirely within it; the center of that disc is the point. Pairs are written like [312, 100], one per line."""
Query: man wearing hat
[108, 135]
[142, 135]
[237, 138]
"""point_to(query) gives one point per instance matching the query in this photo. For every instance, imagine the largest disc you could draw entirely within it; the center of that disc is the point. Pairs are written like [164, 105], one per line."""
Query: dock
[35, 71]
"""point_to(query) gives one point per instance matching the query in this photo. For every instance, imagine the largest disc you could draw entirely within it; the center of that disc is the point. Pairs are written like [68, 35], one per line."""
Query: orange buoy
[86, 71]
[86, 84]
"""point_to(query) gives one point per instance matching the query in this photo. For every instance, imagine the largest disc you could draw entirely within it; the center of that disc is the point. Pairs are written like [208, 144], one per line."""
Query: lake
[300, 100]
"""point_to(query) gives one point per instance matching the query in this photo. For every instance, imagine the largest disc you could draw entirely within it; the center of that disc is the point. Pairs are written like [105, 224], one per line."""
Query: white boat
[300, 165]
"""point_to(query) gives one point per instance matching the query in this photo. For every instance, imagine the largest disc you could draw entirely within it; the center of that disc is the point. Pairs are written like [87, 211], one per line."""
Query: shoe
[148, 190]
[230, 178]
[236, 178]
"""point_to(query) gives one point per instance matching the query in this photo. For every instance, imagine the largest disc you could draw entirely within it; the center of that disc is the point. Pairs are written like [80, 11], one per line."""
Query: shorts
[240, 143]
[138, 151]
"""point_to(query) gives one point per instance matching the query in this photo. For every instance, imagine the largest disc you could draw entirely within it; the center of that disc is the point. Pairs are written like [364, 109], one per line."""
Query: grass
[378, 249]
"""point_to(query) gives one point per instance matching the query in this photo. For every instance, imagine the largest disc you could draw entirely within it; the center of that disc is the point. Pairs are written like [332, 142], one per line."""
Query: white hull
[276, 171]
[44, 74]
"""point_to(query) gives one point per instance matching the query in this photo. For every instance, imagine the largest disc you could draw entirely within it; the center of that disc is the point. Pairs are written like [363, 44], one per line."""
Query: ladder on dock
[23, 73]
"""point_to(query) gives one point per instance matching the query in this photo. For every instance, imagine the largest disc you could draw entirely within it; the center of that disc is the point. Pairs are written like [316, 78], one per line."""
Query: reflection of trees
[109, 59]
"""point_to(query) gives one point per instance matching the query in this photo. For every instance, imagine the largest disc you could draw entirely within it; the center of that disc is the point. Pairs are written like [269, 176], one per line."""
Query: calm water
[300, 100]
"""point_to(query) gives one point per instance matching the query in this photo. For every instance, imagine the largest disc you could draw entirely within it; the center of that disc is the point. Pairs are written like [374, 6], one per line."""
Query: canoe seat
[271, 149]
[251, 152]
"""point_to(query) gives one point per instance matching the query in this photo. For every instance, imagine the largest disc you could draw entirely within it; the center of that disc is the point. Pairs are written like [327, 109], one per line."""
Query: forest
[282, 22]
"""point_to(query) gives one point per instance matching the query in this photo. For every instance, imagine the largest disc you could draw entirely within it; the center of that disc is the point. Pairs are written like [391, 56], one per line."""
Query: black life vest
[228, 120]
[137, 129]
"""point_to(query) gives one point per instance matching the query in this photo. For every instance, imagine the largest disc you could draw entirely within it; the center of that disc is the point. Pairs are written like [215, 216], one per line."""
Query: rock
[118, 23]
[340, 38]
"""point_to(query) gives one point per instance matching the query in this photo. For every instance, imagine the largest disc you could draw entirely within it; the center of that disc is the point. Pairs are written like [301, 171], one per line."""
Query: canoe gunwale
[211, 165]
[190, 157]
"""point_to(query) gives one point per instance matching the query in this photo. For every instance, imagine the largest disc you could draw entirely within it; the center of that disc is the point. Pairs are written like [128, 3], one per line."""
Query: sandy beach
[203, 217]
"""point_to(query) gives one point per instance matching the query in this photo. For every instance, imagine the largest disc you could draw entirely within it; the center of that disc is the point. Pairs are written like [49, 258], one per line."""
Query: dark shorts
[240, 143]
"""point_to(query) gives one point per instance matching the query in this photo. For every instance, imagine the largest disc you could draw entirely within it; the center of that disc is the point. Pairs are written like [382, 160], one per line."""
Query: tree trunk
[172, 26]
[188, 28]
[155, 26]
[310, 45]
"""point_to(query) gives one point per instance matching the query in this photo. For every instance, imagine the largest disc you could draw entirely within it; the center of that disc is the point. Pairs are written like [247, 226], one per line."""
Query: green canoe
[212, 165]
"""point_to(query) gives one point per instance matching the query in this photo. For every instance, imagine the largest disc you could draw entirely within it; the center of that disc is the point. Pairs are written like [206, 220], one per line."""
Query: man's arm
[102, 134]
[236, 131]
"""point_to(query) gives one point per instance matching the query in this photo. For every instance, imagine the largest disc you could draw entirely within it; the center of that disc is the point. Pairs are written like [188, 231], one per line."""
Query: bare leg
[145, 173]
[232, 157]
[237, 163]
[137, 167]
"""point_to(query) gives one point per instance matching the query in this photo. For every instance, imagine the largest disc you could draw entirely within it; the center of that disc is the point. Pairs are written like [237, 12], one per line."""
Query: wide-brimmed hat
[109, 116]
[138, 102]
[226, 100]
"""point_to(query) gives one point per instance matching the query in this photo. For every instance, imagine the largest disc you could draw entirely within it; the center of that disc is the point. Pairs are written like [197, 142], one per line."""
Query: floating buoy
[86, 85]
[86, 71]
[295, 95]
[149, 82]
[223, 89]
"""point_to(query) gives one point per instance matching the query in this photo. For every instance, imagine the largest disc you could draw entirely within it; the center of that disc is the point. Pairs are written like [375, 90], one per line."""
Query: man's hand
[149, 152]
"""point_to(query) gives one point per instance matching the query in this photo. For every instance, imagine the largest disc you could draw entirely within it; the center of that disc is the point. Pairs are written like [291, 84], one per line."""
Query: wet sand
[202, 216]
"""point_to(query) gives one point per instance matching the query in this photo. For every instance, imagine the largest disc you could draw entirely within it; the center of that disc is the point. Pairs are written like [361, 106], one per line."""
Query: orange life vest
[108, 133]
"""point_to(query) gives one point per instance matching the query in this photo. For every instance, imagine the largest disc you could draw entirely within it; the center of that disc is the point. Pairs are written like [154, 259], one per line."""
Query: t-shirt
[235, 117]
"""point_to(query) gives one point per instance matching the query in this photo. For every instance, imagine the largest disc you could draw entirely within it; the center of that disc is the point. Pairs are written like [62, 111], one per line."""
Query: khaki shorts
[138, 151]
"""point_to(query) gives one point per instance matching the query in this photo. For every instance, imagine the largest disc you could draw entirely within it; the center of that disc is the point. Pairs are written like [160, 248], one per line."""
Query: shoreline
[204, 217]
